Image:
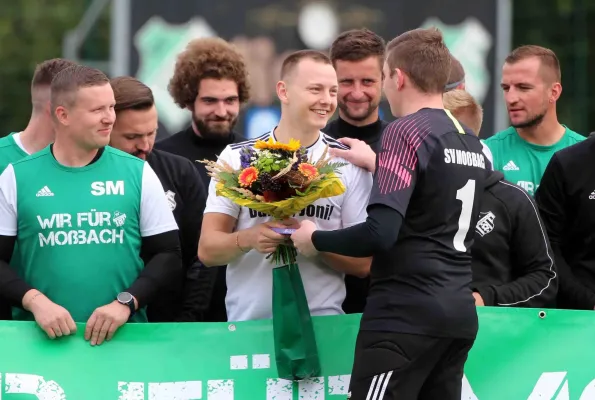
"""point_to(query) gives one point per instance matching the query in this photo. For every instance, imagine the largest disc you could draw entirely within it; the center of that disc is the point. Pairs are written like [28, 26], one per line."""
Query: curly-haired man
[211, 81]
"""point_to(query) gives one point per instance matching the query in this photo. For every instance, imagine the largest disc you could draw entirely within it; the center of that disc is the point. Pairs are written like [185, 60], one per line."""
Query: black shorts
[399, 366]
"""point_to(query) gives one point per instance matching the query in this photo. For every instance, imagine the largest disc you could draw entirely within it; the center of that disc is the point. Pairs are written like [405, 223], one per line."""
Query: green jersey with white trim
[79, 230]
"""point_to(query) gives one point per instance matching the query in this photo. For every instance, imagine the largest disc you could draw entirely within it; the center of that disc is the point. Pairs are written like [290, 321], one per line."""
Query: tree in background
[32, 31]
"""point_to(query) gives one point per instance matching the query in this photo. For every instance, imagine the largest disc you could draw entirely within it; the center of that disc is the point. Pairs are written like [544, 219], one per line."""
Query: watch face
[124, 297]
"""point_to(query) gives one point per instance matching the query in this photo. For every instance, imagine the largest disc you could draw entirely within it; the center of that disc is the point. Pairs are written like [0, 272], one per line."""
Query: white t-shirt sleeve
[357, 194]
[220, 204]
[155, 215]
[488, 153]
[8, 202]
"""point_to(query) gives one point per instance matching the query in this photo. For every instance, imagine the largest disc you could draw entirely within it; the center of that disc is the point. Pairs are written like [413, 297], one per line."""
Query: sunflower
[248, 176]
[271, 144]
[308, 170]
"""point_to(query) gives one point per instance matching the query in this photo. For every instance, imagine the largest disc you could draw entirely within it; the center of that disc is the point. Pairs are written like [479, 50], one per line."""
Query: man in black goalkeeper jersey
[420, 320]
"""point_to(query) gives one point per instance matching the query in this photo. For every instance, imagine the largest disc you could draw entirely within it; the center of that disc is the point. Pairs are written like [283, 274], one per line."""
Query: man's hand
[104, 322]
[302, 239]
[55, 320]
[263, 239]
[359, 153]
[478, 300]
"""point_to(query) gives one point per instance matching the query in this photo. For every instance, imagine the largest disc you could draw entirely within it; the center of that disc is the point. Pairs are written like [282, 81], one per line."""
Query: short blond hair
[464, 108]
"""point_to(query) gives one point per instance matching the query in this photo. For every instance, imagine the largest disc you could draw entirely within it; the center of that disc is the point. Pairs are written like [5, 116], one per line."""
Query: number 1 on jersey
[466, 194]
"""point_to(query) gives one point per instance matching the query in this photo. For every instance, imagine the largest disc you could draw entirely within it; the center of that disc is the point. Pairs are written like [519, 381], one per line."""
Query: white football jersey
[249, 277]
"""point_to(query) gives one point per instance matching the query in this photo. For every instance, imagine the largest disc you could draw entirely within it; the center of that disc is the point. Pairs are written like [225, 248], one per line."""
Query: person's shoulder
[501, 137]
[33, 158]
[577, 153]
[121, 156]
[574, 136]
[164, 156]
[333, 143]
[237, 138]
[236, 147]
[330, 127]
[7, 141]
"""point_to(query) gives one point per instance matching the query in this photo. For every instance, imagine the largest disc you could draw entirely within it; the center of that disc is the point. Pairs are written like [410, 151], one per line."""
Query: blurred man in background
[39, 133]
[134, 132]
[210, 81]
[358, 57]
[531, 83]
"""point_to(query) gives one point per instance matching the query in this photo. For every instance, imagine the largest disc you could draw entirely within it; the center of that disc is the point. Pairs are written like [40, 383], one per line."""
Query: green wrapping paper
[296, 353]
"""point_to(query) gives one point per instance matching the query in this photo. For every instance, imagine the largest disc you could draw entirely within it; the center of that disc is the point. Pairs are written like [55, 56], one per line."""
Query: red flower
[248, 177]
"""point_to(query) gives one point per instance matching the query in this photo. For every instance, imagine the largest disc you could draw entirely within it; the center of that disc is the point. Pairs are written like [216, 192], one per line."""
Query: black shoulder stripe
[250, 142]
[335, 144]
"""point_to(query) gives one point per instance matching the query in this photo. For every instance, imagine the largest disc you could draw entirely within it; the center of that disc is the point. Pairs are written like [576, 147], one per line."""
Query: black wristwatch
[127, 299]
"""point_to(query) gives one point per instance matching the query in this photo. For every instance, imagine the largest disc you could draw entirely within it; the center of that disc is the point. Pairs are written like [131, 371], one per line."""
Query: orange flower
[248, 176]
[308, 170]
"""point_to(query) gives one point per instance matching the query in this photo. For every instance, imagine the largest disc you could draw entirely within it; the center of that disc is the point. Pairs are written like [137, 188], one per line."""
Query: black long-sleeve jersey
[512, 261]
[211, 281]
[432, 171]
[356, 288]
[186, 195]
[566, 200]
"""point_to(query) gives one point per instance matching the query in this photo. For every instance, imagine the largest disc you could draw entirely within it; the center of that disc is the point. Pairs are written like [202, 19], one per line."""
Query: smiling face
[310, 93]
[360, 90]
[90, 119]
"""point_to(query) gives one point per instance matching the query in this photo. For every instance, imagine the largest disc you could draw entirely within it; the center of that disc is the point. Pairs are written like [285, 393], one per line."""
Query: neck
[367, 121]
[37, 135]
[548, 132]
[287, 130]
[416, 102]
[70, 154]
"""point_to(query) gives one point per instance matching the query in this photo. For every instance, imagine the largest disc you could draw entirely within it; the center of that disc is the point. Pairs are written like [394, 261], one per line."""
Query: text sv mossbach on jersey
[87, 220]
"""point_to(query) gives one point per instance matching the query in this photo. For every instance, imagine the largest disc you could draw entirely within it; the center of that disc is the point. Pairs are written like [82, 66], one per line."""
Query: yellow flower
[308, 170]
[270, 144]
[248, 177]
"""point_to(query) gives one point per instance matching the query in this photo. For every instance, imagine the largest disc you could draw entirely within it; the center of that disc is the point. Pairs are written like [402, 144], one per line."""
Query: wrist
[30, 299]
[243, 241]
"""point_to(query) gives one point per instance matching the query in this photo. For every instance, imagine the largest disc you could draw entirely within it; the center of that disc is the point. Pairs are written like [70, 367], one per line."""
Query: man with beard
[357, 56]
[531, 82]
[134, 132]
[211, 81]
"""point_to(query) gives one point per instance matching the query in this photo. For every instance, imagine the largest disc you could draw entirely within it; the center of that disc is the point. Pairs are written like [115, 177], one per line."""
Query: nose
[325, 98]
[511, 96]
[143, 144]
[357, 92]
[220, 110]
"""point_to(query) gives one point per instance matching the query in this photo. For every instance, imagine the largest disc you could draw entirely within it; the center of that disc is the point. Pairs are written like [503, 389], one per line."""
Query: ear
[282, 91]
[399, 78]
[61, 114]
[556, 92]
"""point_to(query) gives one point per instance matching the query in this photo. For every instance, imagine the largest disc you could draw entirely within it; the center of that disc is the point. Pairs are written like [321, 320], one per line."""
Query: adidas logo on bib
[511, 166]
[44, 192]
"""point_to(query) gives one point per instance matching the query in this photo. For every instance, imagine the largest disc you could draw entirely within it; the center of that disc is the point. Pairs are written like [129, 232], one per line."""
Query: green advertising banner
[519, 354]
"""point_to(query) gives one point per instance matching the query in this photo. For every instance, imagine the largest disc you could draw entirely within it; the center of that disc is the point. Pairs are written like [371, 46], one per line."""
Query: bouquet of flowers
[279, 179]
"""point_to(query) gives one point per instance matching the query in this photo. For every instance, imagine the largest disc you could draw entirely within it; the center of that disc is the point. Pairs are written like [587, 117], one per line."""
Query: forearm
[378, 233]
[220, 248]
[359, 267]
[536, 289]
[12, 287]
[163, 269]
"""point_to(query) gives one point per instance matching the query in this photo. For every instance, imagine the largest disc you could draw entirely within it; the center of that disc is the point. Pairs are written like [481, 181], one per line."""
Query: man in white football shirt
[242, 238]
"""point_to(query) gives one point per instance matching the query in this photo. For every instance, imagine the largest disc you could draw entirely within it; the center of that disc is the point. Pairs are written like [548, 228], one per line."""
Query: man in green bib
[39, 131]
[531, 83]
[81, 211]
